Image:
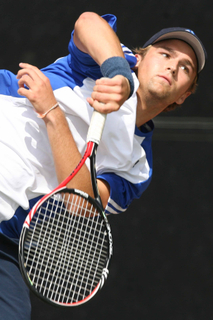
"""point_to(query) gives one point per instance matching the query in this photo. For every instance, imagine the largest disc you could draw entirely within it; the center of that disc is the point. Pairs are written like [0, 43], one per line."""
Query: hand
[36, 87]
[109, 94]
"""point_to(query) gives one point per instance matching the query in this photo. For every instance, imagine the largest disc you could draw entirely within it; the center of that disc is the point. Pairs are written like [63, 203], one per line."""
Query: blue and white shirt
[124, 157]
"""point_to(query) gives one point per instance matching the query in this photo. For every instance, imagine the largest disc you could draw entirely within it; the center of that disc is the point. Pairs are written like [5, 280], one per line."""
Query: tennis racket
[66, 243]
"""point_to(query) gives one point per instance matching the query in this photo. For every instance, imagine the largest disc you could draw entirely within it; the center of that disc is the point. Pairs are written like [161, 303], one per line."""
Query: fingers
[104, 107]
[35, 86]
[27, 77]
[29, 69]
[109, 94]
[119, 84]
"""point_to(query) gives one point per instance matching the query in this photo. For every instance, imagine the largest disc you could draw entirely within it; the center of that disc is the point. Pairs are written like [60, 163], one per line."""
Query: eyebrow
[188, 62]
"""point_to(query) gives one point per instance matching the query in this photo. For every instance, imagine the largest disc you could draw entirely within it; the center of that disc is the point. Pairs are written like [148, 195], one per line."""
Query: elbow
[84, 19]
[83, 29]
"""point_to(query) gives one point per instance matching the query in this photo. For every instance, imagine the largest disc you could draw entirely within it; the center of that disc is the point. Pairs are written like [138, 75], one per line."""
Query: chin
[159, 94]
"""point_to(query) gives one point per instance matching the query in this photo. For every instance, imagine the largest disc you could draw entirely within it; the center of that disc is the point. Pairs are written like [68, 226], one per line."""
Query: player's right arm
[94, 36]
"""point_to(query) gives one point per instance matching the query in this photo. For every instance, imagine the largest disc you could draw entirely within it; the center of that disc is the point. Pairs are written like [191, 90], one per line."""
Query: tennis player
[45, 115]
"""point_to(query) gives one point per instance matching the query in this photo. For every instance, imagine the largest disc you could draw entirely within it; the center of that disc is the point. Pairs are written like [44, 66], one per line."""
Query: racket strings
[60, 260]
[66, 252]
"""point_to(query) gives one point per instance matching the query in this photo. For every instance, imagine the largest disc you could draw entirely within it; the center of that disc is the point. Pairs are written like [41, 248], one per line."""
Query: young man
[45, 116]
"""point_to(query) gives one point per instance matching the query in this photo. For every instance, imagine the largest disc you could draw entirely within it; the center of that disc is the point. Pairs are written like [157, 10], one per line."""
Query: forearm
[65, 152]
[92, 33]
[66, 156]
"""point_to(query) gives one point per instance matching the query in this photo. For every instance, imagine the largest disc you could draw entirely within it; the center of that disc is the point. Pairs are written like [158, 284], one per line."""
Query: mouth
[167, 79]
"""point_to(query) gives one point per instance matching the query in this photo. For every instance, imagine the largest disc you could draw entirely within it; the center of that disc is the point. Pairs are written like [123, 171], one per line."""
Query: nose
[172, 67]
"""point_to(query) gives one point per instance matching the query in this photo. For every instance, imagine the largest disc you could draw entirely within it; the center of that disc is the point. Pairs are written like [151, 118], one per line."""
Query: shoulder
[8, 83]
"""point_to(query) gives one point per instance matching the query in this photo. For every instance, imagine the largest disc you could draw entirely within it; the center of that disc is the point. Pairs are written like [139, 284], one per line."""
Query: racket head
[65, 248]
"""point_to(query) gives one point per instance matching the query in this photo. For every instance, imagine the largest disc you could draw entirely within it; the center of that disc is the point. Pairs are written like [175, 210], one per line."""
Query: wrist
[118, 66]
[43, 115]
[55, 119]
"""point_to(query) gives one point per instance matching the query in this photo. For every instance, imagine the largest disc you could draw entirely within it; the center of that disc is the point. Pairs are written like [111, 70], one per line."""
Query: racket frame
[105, 270]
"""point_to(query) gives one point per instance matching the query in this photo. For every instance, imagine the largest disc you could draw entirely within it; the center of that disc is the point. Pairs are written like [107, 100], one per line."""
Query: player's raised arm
[94, 36]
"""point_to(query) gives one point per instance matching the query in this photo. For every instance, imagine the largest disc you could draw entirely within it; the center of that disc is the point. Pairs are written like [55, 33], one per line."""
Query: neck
[147, 109]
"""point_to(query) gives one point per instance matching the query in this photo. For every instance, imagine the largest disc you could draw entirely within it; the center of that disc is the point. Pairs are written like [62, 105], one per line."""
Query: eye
[165, 54]
[185, 68]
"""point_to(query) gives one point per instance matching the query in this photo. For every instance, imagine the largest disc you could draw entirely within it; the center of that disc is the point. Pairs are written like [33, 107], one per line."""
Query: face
[166, 72]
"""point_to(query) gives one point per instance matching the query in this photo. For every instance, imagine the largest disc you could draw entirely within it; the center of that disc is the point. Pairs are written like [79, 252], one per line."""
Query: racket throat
[93, 173]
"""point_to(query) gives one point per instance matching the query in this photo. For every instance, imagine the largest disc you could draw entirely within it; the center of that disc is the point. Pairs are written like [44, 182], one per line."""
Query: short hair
[142, 52]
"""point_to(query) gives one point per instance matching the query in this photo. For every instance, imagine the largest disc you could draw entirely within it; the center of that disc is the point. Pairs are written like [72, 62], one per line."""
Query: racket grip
[96, 127]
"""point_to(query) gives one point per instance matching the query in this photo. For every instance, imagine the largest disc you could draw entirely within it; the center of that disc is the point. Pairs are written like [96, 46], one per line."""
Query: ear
[139, 58]
[183, 98]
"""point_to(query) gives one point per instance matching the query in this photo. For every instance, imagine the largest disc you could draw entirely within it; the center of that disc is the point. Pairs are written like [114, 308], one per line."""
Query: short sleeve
[122, 192]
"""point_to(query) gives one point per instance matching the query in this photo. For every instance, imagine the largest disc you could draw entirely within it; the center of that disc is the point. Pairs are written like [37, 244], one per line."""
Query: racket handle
[96, 127]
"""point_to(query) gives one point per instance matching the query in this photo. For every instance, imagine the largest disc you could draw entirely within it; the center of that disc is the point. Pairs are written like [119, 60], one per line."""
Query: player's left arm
[35, 86]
